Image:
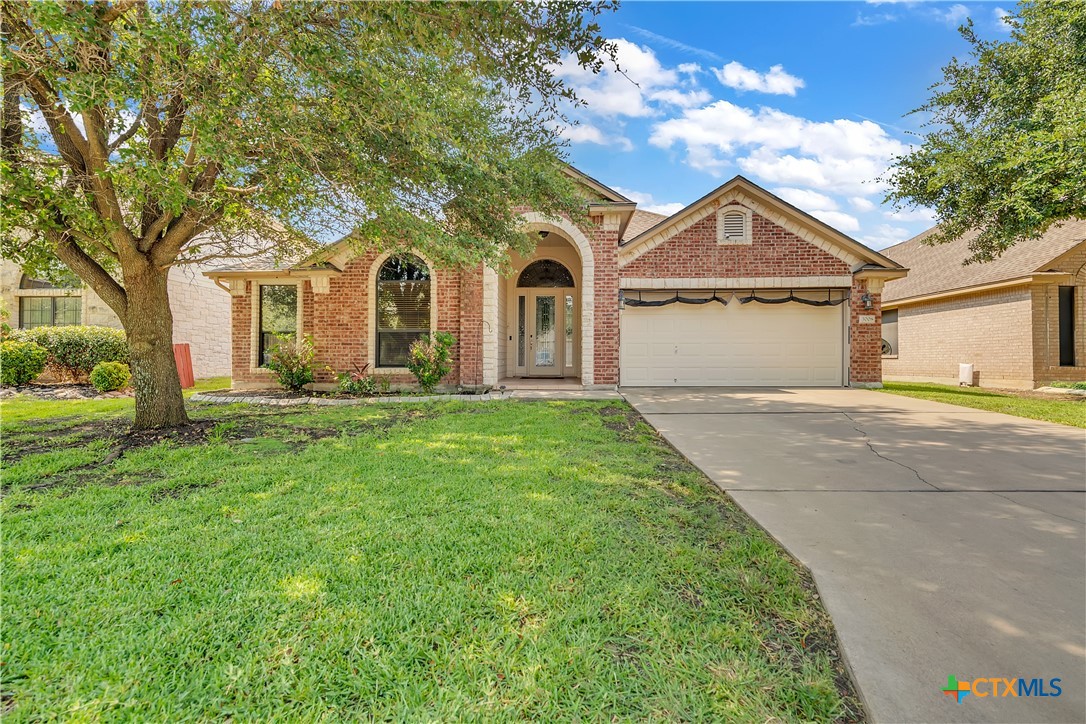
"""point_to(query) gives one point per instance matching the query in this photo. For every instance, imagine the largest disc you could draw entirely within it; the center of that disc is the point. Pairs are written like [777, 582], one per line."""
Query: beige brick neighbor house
[201, 311]
[1020, 319]
[738, 288]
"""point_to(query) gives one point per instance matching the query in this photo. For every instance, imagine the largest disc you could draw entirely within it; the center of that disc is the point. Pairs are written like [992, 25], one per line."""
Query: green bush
[74, 351]
[109, 376]
[20, 362]
[1069, 385]
[429, 359]
[292, 361]
[358, 384]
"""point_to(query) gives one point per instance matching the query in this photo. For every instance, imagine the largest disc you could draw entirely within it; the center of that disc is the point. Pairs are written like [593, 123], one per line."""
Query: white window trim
[254, 339]
[371, 312]
[748, 224]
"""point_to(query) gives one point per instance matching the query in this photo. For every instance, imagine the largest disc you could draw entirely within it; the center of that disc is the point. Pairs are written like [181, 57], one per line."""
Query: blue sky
[808, 99]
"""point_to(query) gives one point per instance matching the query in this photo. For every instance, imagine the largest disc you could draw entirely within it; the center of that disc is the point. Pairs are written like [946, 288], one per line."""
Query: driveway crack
[871, 447]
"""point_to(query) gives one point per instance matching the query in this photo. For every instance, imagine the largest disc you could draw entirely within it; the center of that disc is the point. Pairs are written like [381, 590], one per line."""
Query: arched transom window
[403, 308]
[545, 273]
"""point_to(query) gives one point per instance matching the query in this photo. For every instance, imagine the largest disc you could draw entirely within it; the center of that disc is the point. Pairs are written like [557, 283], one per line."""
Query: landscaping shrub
[357, 383]
[74, 351]
[292, 361]
[109, 376]
[20, 362]
[429, 359]
[1069, 385]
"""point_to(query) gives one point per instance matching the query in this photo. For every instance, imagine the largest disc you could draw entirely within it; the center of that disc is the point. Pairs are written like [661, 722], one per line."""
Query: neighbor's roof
[940, 268]
[641, 221]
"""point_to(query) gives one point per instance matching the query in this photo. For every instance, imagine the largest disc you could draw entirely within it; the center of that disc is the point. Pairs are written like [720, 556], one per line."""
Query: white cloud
[639, 89]
[886, 235]
[776, 81]
[841, 156]
[805, 198]
[861, 204]
[1001, 17]
[873, 19]
[585, 132]
[920, 213]
[645, 202]
[837, 219]
[953, 16]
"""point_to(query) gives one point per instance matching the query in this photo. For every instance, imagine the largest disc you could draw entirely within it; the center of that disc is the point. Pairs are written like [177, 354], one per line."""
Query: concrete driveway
[945, 541]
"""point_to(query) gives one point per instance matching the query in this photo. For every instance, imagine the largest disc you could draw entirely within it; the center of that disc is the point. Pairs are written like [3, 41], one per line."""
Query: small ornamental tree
[140, 136]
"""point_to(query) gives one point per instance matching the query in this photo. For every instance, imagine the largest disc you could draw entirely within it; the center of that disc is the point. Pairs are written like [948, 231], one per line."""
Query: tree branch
[90, 271]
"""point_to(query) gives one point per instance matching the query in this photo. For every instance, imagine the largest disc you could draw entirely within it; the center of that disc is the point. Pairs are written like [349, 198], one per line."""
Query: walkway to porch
[550, 388]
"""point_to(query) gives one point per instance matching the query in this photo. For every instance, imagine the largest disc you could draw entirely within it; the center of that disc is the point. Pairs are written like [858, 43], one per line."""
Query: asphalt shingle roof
[939, 268]
[641, 221]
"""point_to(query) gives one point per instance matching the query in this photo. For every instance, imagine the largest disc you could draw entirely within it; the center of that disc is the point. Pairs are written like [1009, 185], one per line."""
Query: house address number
[867, 319]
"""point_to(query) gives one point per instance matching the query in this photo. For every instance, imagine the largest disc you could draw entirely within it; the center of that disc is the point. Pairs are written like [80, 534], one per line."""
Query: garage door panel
[750, 345]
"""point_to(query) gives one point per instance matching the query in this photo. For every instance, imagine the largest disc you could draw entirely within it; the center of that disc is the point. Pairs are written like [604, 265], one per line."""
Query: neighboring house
[1019, 319]
[739, 288]
[201, 311]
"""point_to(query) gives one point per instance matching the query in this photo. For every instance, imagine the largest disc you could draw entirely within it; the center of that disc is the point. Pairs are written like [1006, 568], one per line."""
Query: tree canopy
[142, 135]
[1006, 153]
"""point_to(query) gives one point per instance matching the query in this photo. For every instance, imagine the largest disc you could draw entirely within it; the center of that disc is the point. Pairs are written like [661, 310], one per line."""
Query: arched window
[49, 309]
[545, 273]
[403, 308]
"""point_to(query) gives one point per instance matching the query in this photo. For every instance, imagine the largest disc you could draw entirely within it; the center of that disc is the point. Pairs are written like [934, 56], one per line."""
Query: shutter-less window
[734, 225]
[403, 308]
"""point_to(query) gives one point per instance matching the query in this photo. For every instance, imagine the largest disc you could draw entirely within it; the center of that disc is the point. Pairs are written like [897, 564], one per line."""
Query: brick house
[201, 311]
[1018, 319]
[738, 288]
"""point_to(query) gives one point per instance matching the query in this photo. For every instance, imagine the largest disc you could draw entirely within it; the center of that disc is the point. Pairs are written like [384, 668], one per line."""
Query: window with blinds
[403, 308]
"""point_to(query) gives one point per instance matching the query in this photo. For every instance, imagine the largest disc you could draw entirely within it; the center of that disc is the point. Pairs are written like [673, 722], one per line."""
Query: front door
[545, 332]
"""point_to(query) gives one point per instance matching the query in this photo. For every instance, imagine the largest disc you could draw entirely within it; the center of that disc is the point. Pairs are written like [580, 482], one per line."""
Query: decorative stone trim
[535, 221]
[257, 399]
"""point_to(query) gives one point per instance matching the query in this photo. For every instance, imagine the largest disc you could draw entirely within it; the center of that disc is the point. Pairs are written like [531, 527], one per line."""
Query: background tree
[139, 136]
[1007, 153]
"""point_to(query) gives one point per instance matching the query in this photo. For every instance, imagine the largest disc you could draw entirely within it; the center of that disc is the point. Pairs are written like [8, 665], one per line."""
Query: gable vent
[734, 227]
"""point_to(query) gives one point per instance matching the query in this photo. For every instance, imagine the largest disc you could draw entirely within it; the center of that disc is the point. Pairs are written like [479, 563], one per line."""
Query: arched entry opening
[546, 325]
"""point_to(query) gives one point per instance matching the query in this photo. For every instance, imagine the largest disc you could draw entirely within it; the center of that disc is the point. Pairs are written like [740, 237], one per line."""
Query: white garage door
[740, 344]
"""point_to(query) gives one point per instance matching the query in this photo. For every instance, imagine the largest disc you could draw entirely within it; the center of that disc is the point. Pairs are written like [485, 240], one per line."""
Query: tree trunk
[149, 326]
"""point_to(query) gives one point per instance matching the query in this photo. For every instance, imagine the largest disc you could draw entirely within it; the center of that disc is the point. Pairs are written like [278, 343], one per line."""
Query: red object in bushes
[183, 357]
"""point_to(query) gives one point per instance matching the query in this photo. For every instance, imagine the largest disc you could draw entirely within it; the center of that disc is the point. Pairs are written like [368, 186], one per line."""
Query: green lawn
[495, 560]
[1070, 411]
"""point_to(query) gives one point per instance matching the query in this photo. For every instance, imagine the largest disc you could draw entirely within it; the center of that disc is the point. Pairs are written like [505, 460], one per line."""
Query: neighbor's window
[889, 331]
[1067, 326]
[278, 316]
[48, 311]
[403, 308]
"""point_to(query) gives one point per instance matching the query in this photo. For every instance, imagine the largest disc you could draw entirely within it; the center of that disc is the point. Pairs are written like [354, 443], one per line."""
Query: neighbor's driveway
[944, 540]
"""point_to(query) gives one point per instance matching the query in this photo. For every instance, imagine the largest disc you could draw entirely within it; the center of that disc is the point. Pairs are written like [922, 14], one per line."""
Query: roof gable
[597, 189]
[765, 204]
[940, 268]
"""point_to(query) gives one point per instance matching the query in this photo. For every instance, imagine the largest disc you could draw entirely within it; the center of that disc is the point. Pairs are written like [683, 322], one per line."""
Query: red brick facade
[339, 319]
[774, 252]
[865, 344]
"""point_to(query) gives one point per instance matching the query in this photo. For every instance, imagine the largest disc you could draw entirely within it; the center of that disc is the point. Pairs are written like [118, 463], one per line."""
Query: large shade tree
[1006, 149]
[138, 136]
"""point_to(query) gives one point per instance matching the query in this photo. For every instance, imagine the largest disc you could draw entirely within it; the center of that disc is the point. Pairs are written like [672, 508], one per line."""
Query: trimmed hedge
[74, 351]
[20, 362]
[109, 376]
